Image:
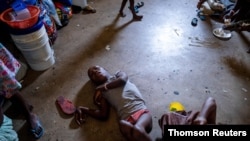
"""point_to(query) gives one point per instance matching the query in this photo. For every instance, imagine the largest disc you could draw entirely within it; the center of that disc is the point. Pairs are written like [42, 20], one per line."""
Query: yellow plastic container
[176, 106]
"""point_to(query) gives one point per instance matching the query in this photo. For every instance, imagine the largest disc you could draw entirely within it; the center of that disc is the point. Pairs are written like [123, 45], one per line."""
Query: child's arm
[121, 79]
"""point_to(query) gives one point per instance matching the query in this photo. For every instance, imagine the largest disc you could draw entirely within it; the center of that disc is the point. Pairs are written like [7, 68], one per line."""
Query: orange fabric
[134, 117]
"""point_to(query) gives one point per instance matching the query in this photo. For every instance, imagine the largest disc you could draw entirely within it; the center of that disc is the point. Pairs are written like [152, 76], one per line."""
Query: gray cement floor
[168, 59]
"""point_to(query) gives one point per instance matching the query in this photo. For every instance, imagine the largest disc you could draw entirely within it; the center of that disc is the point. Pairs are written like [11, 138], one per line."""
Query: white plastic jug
[23, 14]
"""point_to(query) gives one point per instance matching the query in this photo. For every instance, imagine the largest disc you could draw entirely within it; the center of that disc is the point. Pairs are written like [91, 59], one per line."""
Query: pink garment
[9, 67]
[134, 117]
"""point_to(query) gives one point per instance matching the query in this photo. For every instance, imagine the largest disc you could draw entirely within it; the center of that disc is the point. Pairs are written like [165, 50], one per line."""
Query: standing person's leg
[240, 11]
[123, 4]
[139, 131]
[231, 14]
[132, 8]
[32, 118]
[207, 114]
[87, 8]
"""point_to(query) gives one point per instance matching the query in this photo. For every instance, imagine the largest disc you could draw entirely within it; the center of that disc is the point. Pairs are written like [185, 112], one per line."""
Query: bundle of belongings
[210, 7]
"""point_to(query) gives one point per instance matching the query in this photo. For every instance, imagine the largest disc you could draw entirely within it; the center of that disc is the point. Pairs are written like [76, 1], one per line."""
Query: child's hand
[101, 87]
[98, 97]
[80, 117]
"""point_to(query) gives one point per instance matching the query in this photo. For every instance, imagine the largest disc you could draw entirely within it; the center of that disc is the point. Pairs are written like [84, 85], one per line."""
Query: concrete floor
[168, 59]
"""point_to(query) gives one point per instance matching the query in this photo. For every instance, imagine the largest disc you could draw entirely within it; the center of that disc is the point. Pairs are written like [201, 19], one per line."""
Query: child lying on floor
[135, 119]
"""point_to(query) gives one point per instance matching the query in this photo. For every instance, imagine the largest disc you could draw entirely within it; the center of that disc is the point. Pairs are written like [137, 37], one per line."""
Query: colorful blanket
[9, 67]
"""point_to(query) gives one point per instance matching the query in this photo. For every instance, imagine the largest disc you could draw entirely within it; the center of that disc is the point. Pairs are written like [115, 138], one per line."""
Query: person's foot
[137, 18]
[89, 9]
[122, 14]
[36, 127]
[229, 15]
[230, 27]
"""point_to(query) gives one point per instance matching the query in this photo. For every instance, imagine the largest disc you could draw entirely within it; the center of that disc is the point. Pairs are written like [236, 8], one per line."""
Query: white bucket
[34, 39]
[45, 64]
[36, 49]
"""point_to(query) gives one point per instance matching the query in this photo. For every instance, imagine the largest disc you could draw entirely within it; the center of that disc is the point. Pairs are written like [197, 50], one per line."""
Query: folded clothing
[7, 133]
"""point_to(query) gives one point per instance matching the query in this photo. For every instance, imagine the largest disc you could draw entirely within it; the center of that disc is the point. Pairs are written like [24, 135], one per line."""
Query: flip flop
[38, 131]
[222, 34]
[66, 106]
[139, 5]
[136, 9]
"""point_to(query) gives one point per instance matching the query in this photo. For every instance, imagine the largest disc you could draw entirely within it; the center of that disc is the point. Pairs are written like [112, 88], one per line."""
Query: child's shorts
[134, 117]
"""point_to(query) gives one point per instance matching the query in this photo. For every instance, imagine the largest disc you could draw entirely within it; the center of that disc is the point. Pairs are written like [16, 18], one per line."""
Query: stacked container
[30, 36]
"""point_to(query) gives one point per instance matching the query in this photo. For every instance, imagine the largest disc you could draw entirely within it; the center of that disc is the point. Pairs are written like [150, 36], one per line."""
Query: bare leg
[26, 108]
[132, 5]
[139, 131]
[234, 10]
[122, 8]
[126, 129]
[207, 114]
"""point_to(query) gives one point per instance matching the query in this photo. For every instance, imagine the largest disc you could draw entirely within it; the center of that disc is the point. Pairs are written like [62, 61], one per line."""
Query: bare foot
[137, 18]
[122, 14]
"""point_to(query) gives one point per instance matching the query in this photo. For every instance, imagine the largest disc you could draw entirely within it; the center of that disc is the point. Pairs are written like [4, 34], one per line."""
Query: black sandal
[38, 130]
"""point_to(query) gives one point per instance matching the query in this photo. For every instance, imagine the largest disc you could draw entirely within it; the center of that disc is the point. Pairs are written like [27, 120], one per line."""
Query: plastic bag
[51, 9]
[48, 21]
[64, 12]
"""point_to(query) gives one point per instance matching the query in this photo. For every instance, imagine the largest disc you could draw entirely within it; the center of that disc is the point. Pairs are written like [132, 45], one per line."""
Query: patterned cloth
[9, 67]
